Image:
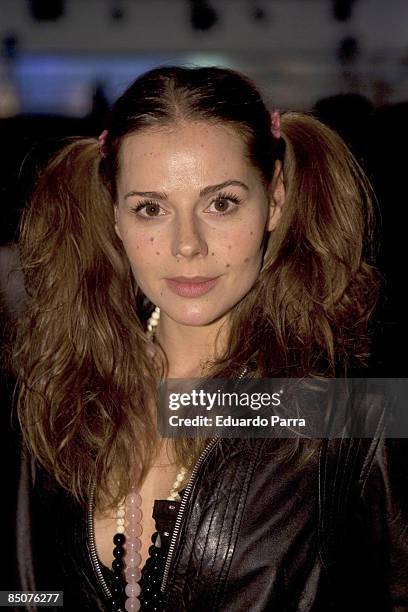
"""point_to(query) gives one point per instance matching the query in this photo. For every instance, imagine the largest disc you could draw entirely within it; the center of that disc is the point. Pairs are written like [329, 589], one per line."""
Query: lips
[192, 279]
[193, 286]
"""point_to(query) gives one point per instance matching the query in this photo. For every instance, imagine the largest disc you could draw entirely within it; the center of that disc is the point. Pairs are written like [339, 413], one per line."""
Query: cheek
[133, 237]
[142, 248]
[242, 249]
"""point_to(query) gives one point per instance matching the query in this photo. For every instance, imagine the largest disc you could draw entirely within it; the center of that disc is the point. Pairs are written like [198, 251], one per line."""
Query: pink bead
[133, 590]
[133, 574]
[134, 515]
[133, 545]
[133, 560]
[134, 499]
[132, 605]
[133, 531]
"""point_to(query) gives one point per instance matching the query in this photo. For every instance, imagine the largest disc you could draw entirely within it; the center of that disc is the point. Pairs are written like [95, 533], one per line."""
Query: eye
[151, 208]
[223, 201]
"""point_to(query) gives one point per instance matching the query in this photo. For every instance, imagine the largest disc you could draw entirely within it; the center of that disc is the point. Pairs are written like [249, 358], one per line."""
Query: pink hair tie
[275, 124]
[102, 145]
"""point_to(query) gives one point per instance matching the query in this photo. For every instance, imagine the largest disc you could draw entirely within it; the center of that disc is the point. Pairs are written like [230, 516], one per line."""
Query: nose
[188, 240]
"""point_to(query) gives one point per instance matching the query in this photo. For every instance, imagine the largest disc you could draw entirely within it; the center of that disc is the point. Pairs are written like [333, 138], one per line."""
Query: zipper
[186, 496]
[92, 546]
[91, 528]
[183, 505]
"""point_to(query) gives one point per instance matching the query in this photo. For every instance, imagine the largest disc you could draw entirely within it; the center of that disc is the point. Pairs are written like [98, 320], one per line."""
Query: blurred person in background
[200, 235]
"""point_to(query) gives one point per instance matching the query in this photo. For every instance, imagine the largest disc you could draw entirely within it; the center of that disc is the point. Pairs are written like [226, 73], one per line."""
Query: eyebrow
[161, 195]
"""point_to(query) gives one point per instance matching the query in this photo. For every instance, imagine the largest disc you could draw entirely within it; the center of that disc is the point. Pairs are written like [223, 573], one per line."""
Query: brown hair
[80, 352]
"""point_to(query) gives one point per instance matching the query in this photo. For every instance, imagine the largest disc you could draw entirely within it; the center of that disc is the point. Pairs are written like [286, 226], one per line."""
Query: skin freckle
[229, 246]
[246, 259]
[152, 239]
[228, 265]
[212, 253]
[252, 233]
[157, 252]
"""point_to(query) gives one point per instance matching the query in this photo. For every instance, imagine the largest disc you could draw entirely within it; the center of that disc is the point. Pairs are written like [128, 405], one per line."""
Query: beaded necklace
[127, 558]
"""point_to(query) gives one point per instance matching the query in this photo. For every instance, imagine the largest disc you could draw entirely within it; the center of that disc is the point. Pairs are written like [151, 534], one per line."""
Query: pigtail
[79, 349]
[322, 283]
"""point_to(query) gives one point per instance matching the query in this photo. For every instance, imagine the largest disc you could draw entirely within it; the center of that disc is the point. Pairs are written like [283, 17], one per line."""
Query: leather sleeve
[383, 515]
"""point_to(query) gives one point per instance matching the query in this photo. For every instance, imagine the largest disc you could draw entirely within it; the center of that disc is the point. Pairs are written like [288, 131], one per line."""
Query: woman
[193, 177]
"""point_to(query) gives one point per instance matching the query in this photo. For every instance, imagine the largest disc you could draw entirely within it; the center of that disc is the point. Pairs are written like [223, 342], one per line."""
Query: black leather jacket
[251, 536]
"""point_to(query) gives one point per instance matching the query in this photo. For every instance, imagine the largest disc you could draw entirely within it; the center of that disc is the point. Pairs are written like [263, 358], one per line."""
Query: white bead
[152, 322]
[120, 521]
[120, 512]
[120, 529]
[180, 478]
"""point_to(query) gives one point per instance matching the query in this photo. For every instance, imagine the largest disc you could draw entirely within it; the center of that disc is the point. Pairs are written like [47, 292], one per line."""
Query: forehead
[189, 152]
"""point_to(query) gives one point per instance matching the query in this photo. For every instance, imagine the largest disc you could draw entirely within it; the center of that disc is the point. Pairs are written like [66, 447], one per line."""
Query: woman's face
[190, 204]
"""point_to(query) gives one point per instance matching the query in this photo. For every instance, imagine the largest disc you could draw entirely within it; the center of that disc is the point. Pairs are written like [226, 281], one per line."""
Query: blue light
[63, 84]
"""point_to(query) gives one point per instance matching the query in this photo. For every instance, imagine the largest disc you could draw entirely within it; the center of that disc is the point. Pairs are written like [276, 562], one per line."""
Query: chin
[195, 320]
[196, 317]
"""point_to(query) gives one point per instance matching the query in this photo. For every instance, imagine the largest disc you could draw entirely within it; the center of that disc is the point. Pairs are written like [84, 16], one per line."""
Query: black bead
[117, 578]
[117, 565]
[155, 552]
[119, 539]
[115, 605]
[118, 552]
[145, 604]
[117, 588]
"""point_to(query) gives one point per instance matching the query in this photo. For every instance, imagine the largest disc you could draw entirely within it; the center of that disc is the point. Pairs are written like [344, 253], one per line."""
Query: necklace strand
[127, 557]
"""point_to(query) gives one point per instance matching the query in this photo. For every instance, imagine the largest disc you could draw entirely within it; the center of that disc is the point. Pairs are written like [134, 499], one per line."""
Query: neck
[188, 347]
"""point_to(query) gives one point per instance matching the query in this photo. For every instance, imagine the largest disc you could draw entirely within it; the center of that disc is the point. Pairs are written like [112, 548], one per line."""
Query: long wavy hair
[84, 371]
